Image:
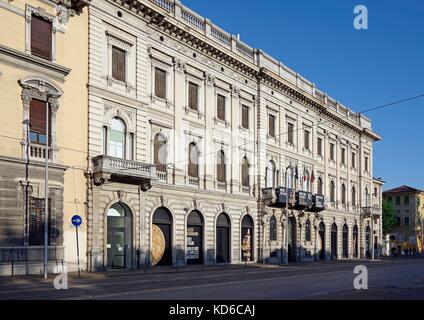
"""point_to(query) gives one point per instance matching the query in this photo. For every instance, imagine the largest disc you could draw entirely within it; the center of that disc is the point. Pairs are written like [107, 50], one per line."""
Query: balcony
[303, 200]
[371, 211]
[109, 169]
[318, 203]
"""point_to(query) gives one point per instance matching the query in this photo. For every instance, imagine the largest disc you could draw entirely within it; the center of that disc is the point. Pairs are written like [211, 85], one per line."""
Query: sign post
[76, 221]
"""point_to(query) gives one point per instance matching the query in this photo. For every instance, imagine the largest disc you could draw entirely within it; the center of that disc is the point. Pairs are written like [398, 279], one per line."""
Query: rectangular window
[37, 119]
[41, 37]
[332, 151]
[220, 108]
[319, 147]
[131, 146]
[36, 221]
[343, 160]
[290, 133]
[406, 201]
[366, 164]
[389, 199]
[160, 83]
[118, 64]
[307, 138]
[245, 117]
[397, 200]
[398, 221]
[353, 160]
[406, 221]
[193, 96]
[271, 125]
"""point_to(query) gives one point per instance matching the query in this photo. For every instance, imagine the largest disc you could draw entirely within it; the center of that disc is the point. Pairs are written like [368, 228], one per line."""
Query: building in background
[408, 204]
[43, 60]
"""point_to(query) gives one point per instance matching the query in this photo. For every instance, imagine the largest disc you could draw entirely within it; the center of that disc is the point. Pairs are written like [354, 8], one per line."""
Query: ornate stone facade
[172, 47]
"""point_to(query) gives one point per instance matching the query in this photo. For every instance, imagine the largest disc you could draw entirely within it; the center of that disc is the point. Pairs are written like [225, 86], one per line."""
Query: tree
[389, 218]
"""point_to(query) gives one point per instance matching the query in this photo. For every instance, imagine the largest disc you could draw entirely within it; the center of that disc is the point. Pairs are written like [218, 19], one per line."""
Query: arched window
[245, 172]
[353, 196]
[273, 229]
[332, 191]
[270, 175]
[320, 186]
[117, 139]
[343, 193]
[160, 153]
[308, 230]
[220, 167]
[193, 160]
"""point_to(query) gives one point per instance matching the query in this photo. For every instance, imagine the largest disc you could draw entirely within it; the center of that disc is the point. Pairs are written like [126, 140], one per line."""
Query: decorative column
[54, 105]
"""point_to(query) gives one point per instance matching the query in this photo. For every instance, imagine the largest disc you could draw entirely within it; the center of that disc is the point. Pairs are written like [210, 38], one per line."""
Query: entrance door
[119, 237]
[334, 243]
[223, 239]
[345, 241]
[162, 218]
[368, 242]
[194, 238]
[247, 239]
[355, 241]
[321, 233]
[116, 254]
[292, 240]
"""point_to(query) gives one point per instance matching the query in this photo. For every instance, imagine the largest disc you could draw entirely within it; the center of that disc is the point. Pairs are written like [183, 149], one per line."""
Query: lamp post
[46, 190]
[287, 215]
[28, 140]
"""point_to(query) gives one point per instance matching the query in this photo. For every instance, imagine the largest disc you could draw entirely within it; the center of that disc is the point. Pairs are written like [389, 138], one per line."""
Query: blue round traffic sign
[76, 220]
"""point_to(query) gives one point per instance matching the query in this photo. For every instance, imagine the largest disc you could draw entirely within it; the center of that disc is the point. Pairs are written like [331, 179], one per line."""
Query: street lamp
[28, 140]
[287, 214]
[46, 191]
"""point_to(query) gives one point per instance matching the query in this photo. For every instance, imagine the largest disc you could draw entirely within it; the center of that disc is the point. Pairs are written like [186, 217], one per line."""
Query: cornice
[159, 18]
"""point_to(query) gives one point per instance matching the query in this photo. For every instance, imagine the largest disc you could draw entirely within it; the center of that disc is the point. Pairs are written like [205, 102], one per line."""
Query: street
[388, 279]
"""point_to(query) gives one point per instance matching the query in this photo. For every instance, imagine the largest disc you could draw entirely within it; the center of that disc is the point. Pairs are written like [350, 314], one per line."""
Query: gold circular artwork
[158, 244]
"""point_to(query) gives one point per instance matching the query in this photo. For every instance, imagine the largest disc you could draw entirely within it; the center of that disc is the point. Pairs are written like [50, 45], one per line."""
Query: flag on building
[312, 177]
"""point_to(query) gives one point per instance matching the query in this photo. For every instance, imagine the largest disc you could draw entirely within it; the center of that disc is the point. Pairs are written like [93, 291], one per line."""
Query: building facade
[408, 204]
[190, 134]
[43, 71]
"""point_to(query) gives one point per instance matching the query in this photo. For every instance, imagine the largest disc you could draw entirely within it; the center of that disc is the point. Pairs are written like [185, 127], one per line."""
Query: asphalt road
[393, 279]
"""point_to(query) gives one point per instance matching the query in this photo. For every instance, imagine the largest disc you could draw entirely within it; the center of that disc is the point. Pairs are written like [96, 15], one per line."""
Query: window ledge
[18, 57]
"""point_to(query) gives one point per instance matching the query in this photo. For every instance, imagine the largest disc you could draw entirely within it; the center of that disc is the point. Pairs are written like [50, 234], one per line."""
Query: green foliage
[389, 218]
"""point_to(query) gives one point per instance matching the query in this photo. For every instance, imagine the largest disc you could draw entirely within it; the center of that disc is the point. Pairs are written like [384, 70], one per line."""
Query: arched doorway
[321, 232]
[334, 241]
[195, 238]
[368, 242]
[119, 237]
[223, 228]
[345, 241]
[162, 237]
[355, 241]
[247, 239]
[292, 240]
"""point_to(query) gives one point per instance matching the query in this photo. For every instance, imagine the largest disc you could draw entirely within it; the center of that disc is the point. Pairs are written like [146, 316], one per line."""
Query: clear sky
[362, 69]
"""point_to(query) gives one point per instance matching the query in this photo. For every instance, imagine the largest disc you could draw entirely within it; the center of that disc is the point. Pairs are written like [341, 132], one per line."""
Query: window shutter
[290, 133]
[245, 173]
[319, 146]
[245, 117]
[41, 37]
[221, 107]
[37, 116]
[193, 156]
[271, 120]
[160, 83]
[193, 90]
[221, 167]
[118, 64]
[306, 139]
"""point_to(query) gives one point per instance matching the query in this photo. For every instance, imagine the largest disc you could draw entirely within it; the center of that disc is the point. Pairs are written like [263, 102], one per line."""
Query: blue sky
[361, 69]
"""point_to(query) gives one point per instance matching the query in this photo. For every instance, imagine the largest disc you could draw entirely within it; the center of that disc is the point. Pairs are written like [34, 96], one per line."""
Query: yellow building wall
[71, 125]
